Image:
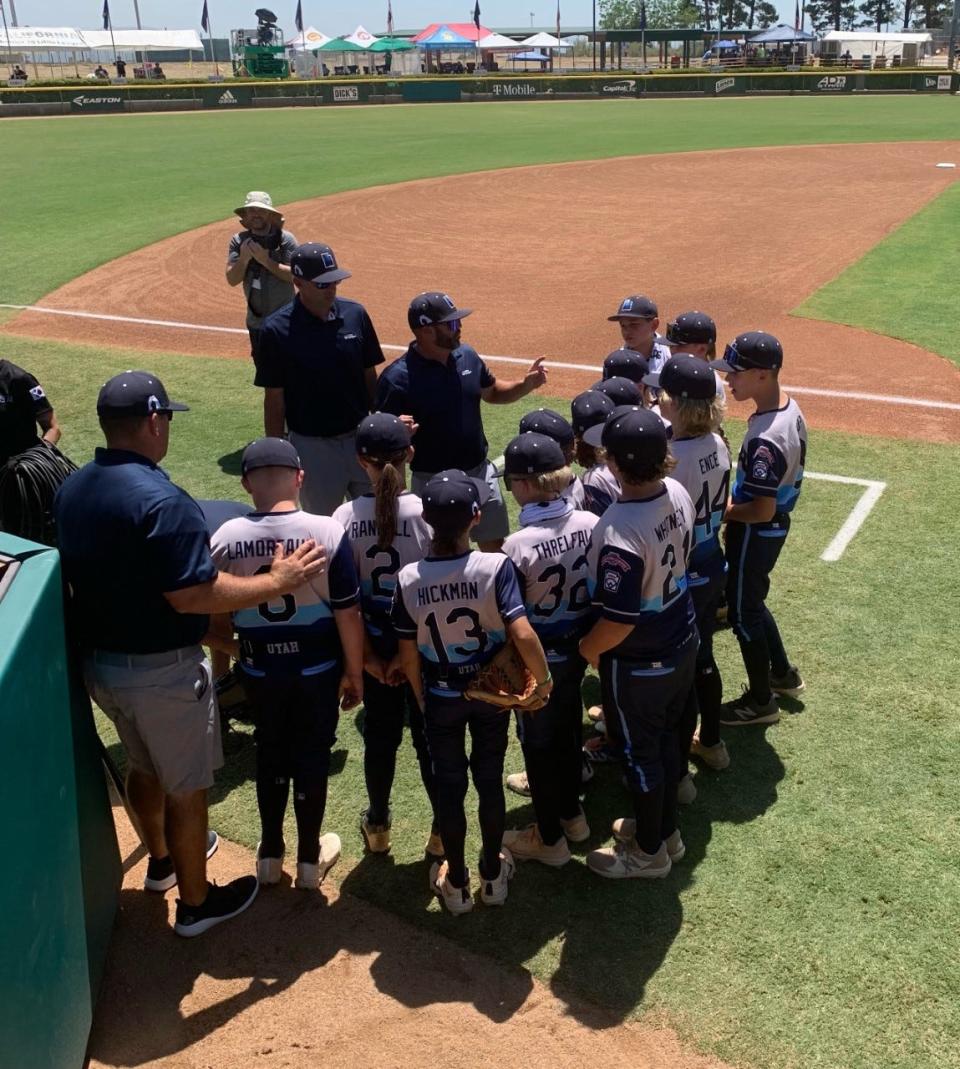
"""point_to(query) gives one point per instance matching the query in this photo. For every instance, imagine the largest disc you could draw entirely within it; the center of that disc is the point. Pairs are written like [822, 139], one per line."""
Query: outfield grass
[905, 287]
[809, 923]
[85, 190]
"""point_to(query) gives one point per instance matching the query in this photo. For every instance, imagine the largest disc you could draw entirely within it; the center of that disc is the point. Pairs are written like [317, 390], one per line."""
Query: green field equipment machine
[259, 53]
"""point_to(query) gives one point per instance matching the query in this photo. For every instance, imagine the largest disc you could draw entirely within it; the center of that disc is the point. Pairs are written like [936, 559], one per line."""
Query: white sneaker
[309, 877]
[625, 831]
[526, 844]
[494, 892]
[576, 829]
[269, 869]
[456, 899]
[686, 790]
[626, 862]
[675, 846]
[518, 783]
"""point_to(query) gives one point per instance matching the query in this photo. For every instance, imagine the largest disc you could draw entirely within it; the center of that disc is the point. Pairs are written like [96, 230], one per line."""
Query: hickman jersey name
[466, 590]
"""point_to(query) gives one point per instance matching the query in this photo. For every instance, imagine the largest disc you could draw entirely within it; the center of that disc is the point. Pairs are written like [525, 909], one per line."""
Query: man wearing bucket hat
[318, 356]
[259, 258]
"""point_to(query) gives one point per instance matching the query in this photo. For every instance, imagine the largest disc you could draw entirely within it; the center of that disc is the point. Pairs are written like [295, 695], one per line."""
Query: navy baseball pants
[551, 739]
[707, 690]
[448, 716]
[644, 703]
[752, 551]
[384, 711]
[296, 726]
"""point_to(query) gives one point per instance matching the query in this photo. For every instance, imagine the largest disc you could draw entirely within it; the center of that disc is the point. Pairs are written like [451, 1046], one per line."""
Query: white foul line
[857, 518]
[878, 398]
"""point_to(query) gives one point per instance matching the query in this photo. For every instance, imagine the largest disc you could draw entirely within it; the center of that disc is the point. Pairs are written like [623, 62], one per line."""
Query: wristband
[549, 679]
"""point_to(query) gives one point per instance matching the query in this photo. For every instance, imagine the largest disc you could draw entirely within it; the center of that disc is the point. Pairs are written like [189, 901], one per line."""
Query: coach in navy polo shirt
[440, 383]
[136, 557]
[317, 361]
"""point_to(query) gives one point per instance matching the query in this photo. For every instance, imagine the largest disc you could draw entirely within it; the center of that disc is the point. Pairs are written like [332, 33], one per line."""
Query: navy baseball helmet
[635, 306]
[135, 393]
[452, 498]
[692, 328]
[532, 454]
[589, 408]
[685, 376]
[382, 435]
[625, 364]
[755, 349]
[631, 433]
[546, 421]
[620, 390]
[427, 309]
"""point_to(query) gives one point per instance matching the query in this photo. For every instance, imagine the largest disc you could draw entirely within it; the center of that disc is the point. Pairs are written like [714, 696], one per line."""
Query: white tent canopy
[307, 41]
[43, 39]
[362, 37]
[544, 40]
[143, 40]
[496, 42]
[860, 42]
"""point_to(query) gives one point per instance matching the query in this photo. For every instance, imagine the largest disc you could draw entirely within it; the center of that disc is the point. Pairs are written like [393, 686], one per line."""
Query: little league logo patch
[611, 581]
[37, 393]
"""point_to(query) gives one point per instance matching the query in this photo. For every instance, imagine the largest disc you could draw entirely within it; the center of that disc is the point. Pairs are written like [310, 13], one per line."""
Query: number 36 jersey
[642, 572]
[296, 633]
[457, 609]
[557, 565]
[378, 567]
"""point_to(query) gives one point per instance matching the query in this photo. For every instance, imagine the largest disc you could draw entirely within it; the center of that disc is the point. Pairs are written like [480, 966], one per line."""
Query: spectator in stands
[18, 73]
[100, 71]
[158, 71]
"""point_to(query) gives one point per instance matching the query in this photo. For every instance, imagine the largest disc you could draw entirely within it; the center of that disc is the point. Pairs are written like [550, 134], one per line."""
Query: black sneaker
[790, 685]
[745, 710]
[220, 905]
[160, 876]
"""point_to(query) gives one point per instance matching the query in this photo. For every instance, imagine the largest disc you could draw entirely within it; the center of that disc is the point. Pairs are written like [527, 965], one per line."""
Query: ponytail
[389, 487]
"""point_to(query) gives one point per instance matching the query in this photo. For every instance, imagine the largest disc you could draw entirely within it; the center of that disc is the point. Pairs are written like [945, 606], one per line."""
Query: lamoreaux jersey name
[295, 634]
[643, 547]
[703, 469]
[556, 562]
[378, 567]
[457, 609]
[772, 457]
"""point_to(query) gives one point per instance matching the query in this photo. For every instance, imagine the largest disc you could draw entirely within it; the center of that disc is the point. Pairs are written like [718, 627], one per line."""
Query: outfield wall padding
[57, 835]
[336, 92]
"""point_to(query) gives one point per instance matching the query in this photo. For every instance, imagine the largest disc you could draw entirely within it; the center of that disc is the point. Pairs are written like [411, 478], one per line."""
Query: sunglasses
[737, 362]
[453, 325]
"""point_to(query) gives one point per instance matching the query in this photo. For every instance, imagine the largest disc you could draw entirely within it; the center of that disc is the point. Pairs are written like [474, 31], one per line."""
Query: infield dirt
[543, 254]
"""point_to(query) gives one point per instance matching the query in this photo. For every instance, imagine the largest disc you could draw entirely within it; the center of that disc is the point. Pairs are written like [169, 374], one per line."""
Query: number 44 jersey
[297, 633]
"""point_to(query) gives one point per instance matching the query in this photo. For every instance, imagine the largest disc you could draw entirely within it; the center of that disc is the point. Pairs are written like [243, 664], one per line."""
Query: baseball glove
[507, 683]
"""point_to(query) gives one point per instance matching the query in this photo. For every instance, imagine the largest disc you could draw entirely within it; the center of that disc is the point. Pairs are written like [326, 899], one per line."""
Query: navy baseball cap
[620, 390]
[382, 435]
[589, 408]
[316, 262]
[692, 328]
[625, 364]
[635, 306]
[546, 421]
[135, 393]
[631, 433]
[754, 349]
[432, 307]
[269, 453]
[453, 497]
[532, 454]
[685, 376]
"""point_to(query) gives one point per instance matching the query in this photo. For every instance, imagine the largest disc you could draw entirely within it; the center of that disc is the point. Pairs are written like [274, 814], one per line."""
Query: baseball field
[812, 922]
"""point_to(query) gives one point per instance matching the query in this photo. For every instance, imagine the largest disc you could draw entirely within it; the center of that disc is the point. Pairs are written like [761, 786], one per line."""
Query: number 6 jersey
[295, 634]
[378, 567]
[457, 609]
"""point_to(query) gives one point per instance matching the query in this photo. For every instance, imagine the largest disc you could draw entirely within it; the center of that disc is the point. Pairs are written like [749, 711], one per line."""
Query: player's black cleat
[745, 710]
[790, 685]
[220, 905]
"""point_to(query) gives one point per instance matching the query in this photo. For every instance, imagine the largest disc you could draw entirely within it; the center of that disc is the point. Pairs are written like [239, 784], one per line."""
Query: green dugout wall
[57, 840]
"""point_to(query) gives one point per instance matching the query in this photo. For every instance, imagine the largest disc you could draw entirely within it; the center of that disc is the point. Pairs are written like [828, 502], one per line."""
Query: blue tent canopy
[781, 35]
[445, 38]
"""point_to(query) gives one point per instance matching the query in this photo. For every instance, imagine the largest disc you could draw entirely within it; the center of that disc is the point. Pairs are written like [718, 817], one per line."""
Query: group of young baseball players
[624, 566]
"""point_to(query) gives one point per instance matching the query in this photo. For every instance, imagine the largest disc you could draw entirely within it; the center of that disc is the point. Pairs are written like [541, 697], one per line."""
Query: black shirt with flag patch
[22, 400]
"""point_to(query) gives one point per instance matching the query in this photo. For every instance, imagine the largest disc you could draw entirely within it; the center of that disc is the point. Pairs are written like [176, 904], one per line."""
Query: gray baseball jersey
[703, 469]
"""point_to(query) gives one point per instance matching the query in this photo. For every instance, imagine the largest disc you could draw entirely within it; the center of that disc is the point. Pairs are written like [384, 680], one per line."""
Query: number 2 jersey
[642, 572]
[457, 609]
[378, 568]
[296, 634]
[772, 457]
[556, 562]
[703, 469]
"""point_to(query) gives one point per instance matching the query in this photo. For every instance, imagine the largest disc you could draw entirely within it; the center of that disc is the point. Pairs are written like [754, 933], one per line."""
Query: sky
[331, 18]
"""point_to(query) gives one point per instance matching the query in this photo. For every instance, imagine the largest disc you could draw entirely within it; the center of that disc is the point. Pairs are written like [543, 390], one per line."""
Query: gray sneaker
[790, 685]
[745, 710]
[624, 861]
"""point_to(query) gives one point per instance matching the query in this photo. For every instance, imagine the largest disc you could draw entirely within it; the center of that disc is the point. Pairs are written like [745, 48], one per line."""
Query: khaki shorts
[164, 708]
[494, 521]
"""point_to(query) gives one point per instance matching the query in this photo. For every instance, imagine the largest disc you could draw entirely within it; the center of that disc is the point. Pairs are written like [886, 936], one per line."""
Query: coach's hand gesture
[536, 376]
[291, 571]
